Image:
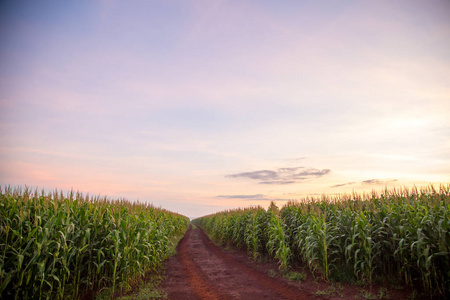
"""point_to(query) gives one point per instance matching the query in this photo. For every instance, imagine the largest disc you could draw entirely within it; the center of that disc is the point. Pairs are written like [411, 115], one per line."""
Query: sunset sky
[201, 106]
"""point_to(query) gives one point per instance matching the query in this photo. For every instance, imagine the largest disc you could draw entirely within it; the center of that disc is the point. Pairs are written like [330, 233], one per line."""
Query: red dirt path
[201, 270]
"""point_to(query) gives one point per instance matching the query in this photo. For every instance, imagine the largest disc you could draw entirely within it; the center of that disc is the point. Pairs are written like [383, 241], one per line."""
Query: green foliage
[295, 276]
[272, 273]
[399, 233]
[56, 246]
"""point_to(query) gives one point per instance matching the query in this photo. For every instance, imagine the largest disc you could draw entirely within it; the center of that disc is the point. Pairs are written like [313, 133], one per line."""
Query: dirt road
[201, 270]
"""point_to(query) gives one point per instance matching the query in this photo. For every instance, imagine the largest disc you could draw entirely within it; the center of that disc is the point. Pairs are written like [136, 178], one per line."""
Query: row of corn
[55, 245]
[396, 234]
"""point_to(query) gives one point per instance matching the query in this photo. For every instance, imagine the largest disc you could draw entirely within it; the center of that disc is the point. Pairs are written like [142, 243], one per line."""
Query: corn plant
[278, 245]
[399, 233]
[55, 246]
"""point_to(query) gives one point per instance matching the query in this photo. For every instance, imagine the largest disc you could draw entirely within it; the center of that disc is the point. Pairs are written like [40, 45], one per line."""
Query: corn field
[396, 234]
[54, 246]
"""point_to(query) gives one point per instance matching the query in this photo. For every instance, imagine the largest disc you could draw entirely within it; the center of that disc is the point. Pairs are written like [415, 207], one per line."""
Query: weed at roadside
[295, 276]
[368, 295]
[332, 290]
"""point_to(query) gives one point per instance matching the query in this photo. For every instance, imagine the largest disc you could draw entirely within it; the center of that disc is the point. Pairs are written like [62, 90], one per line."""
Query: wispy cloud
[367, 182]
[278, 182]
[282, 175]
[378, 181]
[260, 175]
[343, 184]
[313, 173]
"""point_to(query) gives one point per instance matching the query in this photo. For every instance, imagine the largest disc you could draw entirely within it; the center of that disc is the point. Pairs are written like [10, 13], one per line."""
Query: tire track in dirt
[201, 286]
[201, 270]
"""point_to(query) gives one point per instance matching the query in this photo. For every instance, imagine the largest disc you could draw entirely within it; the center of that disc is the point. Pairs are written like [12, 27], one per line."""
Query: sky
[206, 105]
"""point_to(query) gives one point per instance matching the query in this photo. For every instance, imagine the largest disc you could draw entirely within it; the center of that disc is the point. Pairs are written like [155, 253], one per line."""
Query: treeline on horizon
[396, 235]
[54, 246]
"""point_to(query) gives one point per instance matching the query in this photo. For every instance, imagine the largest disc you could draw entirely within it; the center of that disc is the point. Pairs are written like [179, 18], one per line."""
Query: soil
[202, 270]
